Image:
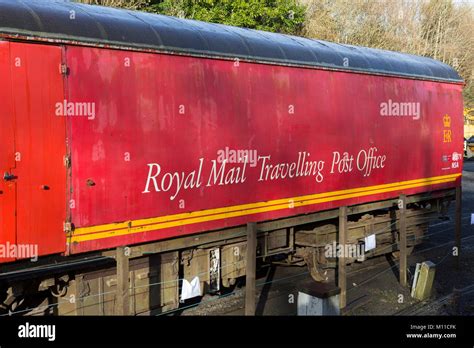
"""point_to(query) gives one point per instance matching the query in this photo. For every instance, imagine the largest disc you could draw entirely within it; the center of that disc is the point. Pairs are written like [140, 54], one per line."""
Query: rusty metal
[251, 268]
[123, 282]
[341, 270]
[402, 235]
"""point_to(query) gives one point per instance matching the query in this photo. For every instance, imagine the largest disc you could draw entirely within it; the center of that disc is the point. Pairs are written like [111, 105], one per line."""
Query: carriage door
[7, 162]
[36, 171]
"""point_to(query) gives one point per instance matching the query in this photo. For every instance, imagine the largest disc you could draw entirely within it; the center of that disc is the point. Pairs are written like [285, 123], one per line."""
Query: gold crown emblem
[447, 121]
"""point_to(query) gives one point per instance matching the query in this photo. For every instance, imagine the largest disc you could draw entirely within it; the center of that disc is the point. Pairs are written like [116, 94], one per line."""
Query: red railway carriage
[121, 128]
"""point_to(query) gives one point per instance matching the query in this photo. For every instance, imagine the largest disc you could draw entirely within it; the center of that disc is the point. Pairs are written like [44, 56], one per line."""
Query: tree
[440, 29]
[128, 4]
[283, 16]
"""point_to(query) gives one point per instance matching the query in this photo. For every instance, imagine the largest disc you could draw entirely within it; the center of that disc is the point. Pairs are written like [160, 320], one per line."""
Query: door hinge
[67, 161]
[67, 227]
[63, 69]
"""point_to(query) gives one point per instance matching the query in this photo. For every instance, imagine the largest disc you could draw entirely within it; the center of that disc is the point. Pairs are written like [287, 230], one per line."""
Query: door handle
[8, 176]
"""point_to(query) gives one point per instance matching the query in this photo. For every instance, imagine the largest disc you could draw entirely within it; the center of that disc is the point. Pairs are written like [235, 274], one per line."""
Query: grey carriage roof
[69, 21]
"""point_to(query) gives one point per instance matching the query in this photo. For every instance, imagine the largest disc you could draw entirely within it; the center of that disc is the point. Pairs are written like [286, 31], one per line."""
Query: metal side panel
[40, 147]
[7, 158]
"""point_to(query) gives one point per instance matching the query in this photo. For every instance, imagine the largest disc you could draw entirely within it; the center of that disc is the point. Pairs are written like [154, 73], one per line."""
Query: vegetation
[128, 4]
[283, 16]
[441, 29]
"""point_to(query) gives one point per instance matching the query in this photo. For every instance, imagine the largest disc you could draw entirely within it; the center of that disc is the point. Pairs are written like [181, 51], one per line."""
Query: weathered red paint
[7, 162]
[139, 99]
[175, 110]
[33, 141]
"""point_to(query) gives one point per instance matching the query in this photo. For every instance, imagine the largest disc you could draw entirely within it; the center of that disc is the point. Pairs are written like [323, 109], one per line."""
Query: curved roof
[69, 21]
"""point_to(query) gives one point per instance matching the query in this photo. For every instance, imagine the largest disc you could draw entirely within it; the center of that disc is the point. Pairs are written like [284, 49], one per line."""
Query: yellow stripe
[99, 228]
[152, 224]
